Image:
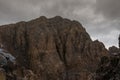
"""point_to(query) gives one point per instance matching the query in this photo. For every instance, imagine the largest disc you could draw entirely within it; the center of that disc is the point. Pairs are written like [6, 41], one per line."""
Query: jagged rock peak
[57, 18]
[41, 18]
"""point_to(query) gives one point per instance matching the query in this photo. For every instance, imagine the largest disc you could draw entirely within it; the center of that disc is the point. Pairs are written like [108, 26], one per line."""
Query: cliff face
[52, 49]
[109, 67]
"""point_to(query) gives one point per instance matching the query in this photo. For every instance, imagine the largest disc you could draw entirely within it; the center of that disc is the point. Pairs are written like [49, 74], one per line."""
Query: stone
[53, 49]
[2, 74]
[109, 66]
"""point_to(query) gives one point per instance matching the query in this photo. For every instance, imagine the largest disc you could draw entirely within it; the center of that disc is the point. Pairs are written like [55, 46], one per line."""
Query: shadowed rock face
[52, 49]
[109, 67]
[114, 50]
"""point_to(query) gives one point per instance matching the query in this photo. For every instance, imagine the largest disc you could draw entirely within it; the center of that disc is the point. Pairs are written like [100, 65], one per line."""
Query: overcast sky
[101, 18]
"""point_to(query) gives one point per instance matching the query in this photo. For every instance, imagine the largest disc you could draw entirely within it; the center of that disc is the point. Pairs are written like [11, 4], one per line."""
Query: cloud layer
[101, 18]
[109, 8]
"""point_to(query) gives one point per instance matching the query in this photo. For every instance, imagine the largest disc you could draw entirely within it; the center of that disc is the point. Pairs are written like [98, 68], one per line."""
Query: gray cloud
[27, 9]
[109, 8]
[99, 17]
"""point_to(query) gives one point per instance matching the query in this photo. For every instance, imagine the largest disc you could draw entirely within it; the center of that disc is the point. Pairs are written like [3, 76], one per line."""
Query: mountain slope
[52, 49]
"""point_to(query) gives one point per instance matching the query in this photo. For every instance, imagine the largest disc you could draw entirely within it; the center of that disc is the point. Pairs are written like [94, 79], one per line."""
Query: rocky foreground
[52, 49]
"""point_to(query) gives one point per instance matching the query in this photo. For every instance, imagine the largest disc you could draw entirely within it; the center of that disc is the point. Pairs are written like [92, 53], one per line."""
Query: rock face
[2, 74]
[109, 67]
[52, 49]
[114, 50]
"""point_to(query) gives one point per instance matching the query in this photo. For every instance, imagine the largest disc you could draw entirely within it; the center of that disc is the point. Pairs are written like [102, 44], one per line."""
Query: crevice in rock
[58, 51]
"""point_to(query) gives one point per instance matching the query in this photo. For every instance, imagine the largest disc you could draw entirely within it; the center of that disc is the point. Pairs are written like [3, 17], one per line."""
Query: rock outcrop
[114, 50]
[52, 49]
[109, 66]
[109, 69]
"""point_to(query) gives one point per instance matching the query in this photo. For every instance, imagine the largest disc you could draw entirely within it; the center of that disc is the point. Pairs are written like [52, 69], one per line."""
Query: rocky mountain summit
[51, 49]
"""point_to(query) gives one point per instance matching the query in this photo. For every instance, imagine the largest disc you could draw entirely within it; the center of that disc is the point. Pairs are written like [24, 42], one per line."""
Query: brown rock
[2, 74]
[114, 50]
[54, 49]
